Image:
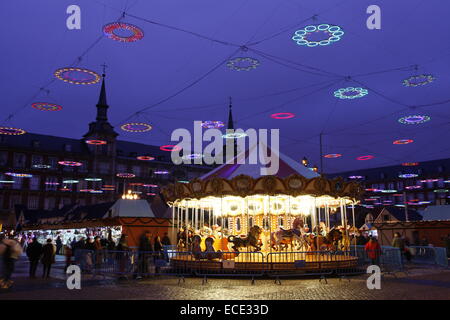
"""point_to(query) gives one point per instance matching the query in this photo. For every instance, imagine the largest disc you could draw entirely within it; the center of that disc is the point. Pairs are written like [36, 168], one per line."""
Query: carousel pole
[354, 225]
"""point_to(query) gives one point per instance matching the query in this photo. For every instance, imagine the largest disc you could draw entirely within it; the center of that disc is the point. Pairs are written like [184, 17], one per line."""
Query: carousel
[277, 220]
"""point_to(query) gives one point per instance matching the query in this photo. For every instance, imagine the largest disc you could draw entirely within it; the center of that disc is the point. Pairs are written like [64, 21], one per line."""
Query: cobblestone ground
[421, 283]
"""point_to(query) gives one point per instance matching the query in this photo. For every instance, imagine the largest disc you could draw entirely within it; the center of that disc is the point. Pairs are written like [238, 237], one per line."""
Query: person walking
[48, 258]
[145, 253]
[10, 250]
[373, 250]
[399, 242]
[34, 252]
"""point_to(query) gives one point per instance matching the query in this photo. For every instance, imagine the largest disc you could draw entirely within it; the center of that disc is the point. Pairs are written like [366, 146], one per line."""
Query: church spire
[230, 117]
[102, 105]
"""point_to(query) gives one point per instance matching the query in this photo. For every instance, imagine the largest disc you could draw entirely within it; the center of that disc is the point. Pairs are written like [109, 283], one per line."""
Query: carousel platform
[249, 262]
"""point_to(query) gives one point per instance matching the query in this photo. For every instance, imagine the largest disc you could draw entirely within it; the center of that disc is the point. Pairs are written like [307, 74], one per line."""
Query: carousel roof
[240, 165]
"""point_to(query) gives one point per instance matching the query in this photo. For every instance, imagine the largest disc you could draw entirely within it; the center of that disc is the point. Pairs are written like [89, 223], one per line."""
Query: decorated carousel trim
[243, 186]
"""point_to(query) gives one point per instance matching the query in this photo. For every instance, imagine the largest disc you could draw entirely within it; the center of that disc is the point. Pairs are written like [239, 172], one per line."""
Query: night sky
[36, 41]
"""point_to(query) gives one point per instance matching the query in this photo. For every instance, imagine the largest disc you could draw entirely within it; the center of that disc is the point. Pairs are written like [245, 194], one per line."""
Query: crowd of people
[89, 250]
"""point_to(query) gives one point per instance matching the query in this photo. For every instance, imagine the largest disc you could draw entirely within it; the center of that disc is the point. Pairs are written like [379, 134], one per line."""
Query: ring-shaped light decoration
[136, 127]
[234, 135]
[414, 119]
[413, 187]
[403, 141]
[70, 163]
[70, 181]
[19, 175]
[170, 147]
[418, 80]
[282, 115]
[93, 179]
[332, 34]
[356, 177]
[351, 93]
[125, 175]
[96, 191]
[332, 155]
[410, 164]
[243, 63]
[51, 183]
[408, 175]
[10, 131]
[429, 180]
[110, 31]
[6, 181]
[150, 186]
[192, 156]
[440, 190]
[46, 106]
[389, 191]
[85, 190]
[364, 158]
[137, 184]
[212, 124]
[145, 158]
[68, 75]
[96, 142]
[41, 166]
[151, 194]
[161, 172]
[65, 189]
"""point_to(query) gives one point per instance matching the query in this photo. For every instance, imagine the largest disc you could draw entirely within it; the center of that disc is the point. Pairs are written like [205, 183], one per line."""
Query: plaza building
[43, 172]
[416, 185]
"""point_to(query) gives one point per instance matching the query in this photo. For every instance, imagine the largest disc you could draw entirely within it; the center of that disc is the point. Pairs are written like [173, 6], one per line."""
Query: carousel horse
[184, 237]
[210, 252]
[330, 242]
[252, 239]
[205, 231]
[282, 238]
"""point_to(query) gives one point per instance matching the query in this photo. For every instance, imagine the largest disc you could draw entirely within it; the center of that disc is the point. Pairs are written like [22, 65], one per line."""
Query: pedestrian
[98, 252]
[166, 240]
[34, 252]
[158, 249]
[59, 245]
[122, 254]
[399, 242]
[373, 250]
[48, 257]
[10, 250]
[145, 253]
[68, 253]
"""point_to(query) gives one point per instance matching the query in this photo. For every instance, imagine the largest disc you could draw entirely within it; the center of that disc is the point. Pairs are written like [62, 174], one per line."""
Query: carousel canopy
[241, 165]
[130, 208]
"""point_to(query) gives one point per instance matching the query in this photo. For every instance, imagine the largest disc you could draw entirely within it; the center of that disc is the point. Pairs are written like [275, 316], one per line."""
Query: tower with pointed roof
[101, 129]
[230, 126]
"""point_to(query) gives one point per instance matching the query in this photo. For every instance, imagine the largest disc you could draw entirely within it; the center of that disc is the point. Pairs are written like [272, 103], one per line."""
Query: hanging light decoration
[111, 30]
[170, 147]
[331, 34]
[282, 115]
[96, 142]
[210, 124]
[136, 127]
[9, 131]
[403, 141]
[243, 63]
[332, 155]
[46, 106]
[418, 80]
[77, 75]
[415, 119]
[364, 158]
[351, 93]
[70, 163]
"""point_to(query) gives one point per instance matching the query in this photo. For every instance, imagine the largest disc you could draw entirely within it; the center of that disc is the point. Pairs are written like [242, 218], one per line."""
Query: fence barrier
[171, 261]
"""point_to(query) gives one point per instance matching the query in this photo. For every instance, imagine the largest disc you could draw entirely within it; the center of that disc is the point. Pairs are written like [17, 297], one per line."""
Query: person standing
[34, 252]
[98, 252]
[59, 245]
[166, 240]
[48, 257]
[373, 250]
[399, 242]
[10, 250]
[123, 255]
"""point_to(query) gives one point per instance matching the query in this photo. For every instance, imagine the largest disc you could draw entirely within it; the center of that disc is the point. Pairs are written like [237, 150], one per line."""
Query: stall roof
[437, 213]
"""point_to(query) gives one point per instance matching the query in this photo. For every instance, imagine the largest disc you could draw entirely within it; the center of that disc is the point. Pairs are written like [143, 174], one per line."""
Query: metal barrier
[429, 255]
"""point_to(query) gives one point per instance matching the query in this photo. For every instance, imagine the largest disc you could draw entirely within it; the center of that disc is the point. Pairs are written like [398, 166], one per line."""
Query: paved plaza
[421, 282]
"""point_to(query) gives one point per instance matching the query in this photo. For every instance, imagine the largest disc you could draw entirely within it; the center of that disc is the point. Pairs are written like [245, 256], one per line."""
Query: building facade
[47, 172]
[413, 184]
